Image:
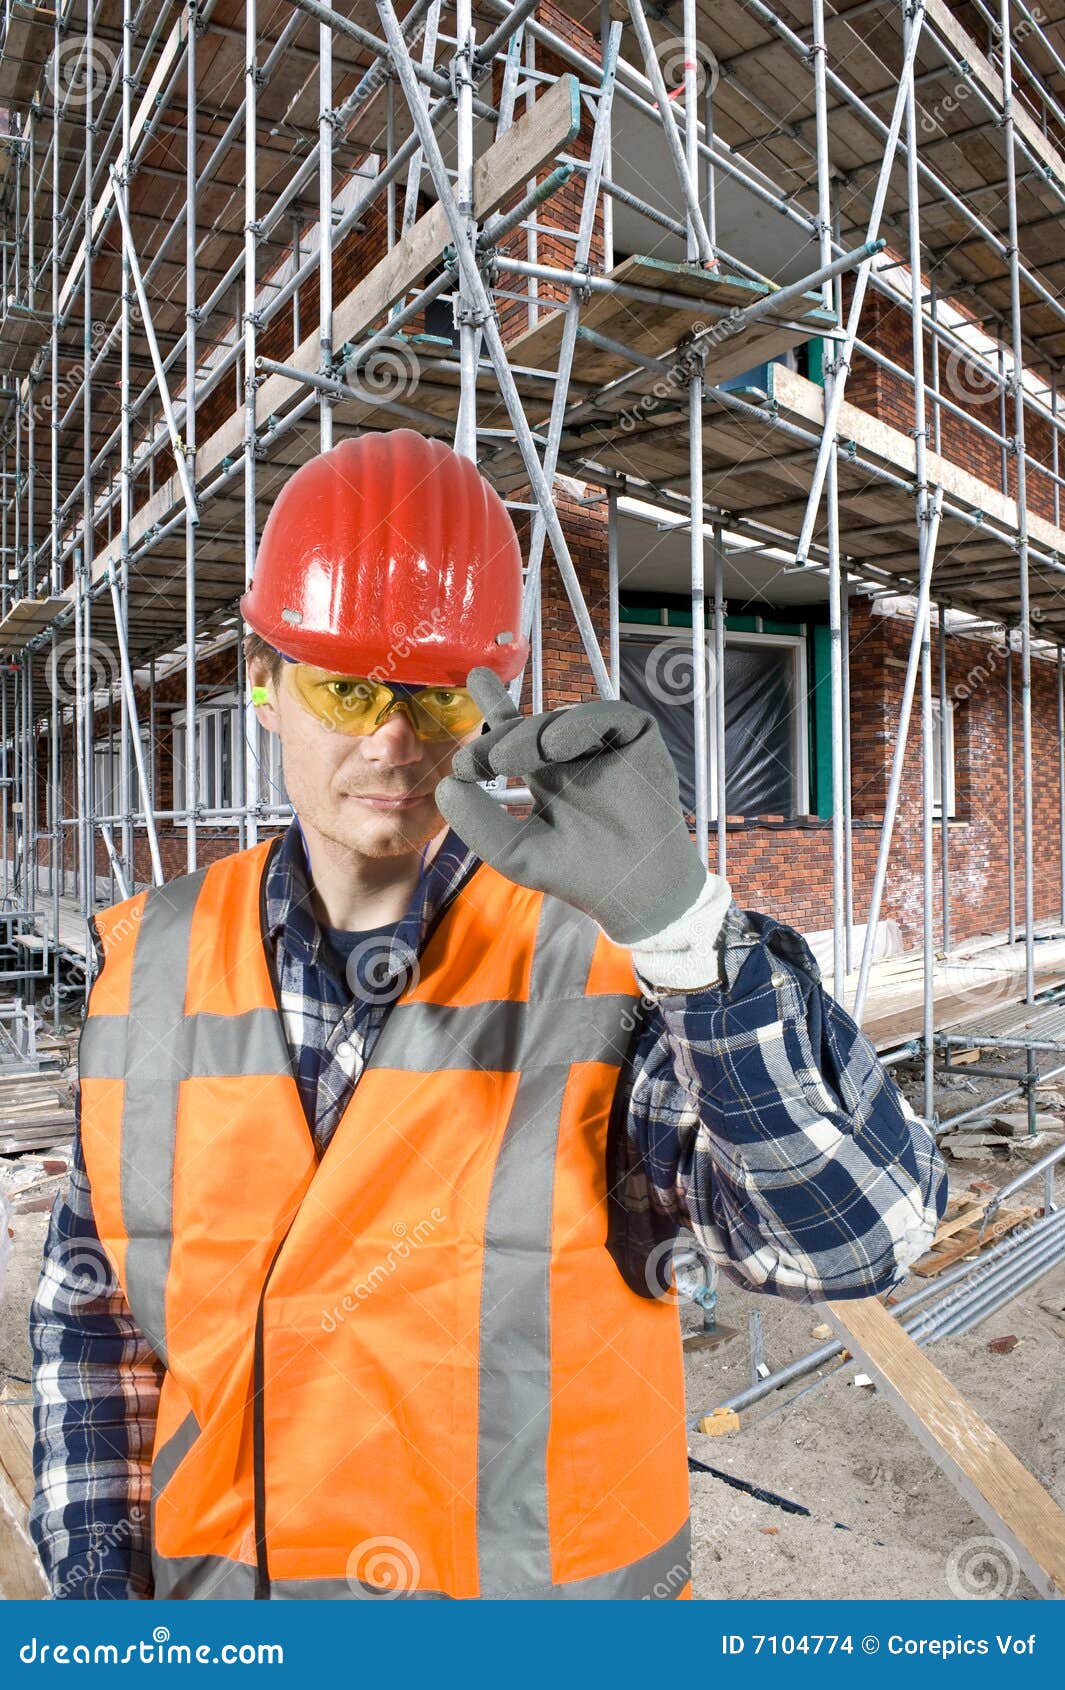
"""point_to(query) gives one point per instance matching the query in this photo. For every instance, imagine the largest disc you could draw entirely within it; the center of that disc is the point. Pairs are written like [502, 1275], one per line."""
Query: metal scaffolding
[183, 182]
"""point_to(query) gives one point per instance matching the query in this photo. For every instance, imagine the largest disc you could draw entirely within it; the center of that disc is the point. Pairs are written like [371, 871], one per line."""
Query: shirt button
[777, 979]
[343, 1050]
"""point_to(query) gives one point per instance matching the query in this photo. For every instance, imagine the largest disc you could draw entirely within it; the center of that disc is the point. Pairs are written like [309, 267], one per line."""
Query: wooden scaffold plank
[980, 1466]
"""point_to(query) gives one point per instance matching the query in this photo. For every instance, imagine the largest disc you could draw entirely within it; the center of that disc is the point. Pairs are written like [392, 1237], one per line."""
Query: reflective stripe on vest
[156, 1167]
[664, 1574]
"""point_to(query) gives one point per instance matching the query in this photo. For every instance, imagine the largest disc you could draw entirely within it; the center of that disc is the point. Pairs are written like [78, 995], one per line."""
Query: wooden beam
[984, 72]
[798, 398]
[980, 1466]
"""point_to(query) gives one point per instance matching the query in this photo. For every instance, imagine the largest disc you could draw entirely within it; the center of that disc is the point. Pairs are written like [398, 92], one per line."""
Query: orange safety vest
[411, 1366]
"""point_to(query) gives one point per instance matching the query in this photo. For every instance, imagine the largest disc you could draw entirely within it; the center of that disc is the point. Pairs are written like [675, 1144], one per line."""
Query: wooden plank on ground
[56, 1135]
[967, 1241]
[16, 1455]
[21, 1575]
[984, 1470]
[967, 1215]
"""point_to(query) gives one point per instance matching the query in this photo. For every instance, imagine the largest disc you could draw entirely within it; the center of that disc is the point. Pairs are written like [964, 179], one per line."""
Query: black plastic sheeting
[759, 731]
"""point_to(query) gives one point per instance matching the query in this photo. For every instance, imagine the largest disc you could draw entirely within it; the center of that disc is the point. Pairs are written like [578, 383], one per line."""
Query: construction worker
[387, 1124]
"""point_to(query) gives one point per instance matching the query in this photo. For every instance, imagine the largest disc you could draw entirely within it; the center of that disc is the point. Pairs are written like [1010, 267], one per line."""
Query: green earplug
[259, 695]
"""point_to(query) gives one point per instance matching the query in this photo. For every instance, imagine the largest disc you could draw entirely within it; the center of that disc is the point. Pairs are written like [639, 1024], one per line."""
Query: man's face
[370, 794]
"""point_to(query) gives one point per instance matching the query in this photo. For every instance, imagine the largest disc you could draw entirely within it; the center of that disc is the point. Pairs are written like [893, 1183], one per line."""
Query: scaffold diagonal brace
[180, 458]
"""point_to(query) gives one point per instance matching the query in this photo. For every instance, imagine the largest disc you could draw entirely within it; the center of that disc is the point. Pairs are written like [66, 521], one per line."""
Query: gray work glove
[607, 833]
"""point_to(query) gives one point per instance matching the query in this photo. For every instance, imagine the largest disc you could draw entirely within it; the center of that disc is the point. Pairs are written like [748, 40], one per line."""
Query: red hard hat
[390, 552]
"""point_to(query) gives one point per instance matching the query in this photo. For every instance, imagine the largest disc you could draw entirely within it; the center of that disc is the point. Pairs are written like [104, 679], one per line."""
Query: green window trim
[819, 652]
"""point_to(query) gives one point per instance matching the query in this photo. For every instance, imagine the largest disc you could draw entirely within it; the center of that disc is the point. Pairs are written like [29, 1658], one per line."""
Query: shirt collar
[288, 896]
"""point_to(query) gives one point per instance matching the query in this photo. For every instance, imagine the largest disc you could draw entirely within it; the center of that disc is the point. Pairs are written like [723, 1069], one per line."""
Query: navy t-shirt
[372, 945]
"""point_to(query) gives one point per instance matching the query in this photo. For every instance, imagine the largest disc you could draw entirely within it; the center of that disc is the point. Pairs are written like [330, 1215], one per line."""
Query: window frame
[952, 766]
[268, 751]
[659, 634]
[213, 709]
[107, 753]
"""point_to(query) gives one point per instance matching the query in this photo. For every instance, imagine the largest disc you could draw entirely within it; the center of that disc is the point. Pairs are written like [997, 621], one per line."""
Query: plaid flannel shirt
[753, 1112]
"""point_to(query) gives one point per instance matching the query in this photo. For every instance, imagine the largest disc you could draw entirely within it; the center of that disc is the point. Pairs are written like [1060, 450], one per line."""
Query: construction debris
[1017, 1125]
[1001, 1138]
[33, 1183]
[722, 1420]
[36, 1111]
[968, 1237]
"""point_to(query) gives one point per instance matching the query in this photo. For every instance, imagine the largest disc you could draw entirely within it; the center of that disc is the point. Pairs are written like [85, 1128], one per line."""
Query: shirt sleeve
[96, 1385]
[761, 1117]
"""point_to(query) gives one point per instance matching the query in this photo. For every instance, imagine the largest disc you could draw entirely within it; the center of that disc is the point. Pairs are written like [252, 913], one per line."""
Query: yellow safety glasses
[356, 704]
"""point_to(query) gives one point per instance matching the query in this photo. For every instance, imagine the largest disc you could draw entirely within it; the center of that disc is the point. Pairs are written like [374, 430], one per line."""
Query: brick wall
[886, 326]
[788, 869]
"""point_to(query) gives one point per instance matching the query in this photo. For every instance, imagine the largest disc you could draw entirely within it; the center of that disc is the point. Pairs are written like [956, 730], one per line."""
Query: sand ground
[884, 1520]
